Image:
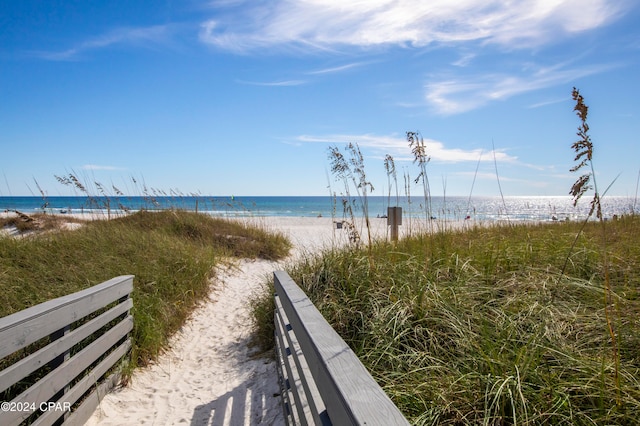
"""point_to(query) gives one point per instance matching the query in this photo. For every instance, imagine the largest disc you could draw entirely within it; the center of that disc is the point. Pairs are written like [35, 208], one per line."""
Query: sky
[246, 97]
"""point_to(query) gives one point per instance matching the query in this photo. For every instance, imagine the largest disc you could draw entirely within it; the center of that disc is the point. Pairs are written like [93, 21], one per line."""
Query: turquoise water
[514, 208]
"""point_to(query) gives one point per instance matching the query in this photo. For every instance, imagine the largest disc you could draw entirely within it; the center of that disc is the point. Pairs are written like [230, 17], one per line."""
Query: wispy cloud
[98, 167]
[398, 148]
[549, 102]
[298, 82]
[332, 24]
[142, 36]
[458, 95]
[464, 60]
[490, 177]
[279, 83]
[337, 69]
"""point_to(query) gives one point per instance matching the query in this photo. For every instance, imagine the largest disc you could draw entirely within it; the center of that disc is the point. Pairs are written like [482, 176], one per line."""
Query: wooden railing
[323, 382]
[54, 340]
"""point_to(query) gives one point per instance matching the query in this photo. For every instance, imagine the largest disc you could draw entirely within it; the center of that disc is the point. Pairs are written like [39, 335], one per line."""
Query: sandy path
[211, 375]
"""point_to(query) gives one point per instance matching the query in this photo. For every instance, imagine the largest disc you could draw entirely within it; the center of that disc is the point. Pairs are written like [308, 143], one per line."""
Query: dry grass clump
[25, 223]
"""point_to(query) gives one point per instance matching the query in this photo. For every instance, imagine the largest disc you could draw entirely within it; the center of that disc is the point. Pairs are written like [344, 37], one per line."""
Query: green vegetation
[172, 254]
[480, 327]
[517, 324]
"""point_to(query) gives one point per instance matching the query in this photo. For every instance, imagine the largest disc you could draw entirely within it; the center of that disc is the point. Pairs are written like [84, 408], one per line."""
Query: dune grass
[480, 326]
[517, 324]
[172, 254]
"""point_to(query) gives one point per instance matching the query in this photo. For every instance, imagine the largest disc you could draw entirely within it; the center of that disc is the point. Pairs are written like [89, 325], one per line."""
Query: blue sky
[237, 97]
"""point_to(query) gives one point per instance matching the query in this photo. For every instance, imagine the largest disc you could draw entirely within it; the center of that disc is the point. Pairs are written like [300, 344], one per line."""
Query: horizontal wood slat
[85, 384]
[27, 326]
[28, 365]
[74, 366]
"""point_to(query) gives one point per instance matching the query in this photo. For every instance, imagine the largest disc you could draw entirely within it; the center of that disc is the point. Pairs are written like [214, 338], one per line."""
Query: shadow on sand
[255, 399]
[235, 406]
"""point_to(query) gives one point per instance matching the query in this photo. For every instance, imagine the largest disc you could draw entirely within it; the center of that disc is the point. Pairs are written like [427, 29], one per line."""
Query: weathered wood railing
[68, 369]
[322, 380]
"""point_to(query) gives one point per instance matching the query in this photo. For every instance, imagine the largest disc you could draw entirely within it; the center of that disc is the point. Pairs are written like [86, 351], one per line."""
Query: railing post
[58, 361]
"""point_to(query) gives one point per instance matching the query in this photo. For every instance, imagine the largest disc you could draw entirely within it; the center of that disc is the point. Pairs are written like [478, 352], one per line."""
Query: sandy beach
[211, 375]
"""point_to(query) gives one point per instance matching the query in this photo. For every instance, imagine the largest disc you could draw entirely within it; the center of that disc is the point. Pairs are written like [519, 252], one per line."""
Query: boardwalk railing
[59, 379]
[323, 382]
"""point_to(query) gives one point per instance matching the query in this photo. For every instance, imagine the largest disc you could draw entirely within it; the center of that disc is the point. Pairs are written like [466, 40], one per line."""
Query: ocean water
[511, 208]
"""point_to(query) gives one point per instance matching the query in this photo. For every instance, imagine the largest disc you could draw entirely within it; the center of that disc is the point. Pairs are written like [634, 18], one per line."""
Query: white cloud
[458, 95]
[549, 102]
[330, 24]
[491, 176]
[141, 36]
[280, 83]
[98, 167]
[399, 148]
[464, 60]
[337, 69]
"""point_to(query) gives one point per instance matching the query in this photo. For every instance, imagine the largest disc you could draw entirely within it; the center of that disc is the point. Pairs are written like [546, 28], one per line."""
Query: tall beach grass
[480, 327]
[491, 325]
[173, 255]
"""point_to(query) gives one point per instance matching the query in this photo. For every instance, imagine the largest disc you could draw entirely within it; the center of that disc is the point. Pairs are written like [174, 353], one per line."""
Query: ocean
[511, 208]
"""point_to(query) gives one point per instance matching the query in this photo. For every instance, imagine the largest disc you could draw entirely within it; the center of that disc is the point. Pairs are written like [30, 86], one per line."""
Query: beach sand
[211, 374]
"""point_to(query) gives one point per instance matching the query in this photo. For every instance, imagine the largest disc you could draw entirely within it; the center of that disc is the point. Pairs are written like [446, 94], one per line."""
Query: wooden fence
[56, 367]
[323, 382]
